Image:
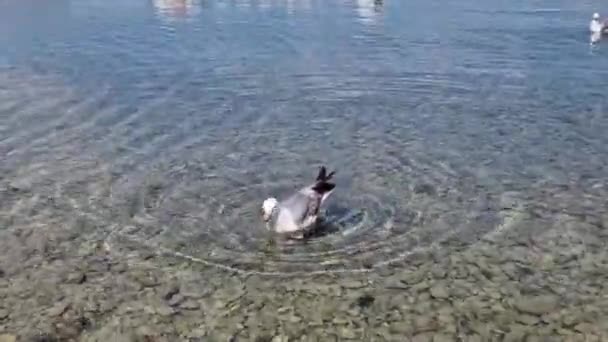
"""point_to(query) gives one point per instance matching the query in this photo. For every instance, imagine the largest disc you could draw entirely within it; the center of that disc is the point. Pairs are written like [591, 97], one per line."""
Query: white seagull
[596, 26]
[299, 213]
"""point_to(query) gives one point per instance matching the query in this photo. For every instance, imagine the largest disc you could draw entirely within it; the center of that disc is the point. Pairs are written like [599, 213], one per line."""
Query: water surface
[164, 124]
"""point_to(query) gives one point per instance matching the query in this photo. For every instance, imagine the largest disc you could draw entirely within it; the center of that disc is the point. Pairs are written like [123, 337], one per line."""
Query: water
[163, 125]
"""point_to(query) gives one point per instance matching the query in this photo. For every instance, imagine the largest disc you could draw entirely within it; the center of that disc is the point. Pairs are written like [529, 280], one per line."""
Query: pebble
[190, 305]
[365, 300]
[424, 323]
[294, 319]
[494, 294]
[146, 280]
[8, 338]
[424, 337]
[20, 185]
[515, 335]
[422, 286]
[412, 278]
[528, 319]
[58, 309]
[353, 284]
[442, 338]
[119, 268]
[3, 314]
[340, 320]
[76, 278]
[473, 338]
[424, 188]
[199, 332]
[438, 272]
[571, 319]
[439, 292]
[280, 338]
[537, 305]
[395, 285]
[447, 321]
[165, 311]
[144, 331]
[585, 328]
[399, 328]
[2, 273]
[348, 333]
[175, 300]
[483, 329]
[546, 262]
[509, 200]
[170, 291]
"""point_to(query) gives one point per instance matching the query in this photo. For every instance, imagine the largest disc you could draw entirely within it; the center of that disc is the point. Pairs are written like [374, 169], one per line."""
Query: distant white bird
[299, 213]
[595, 26]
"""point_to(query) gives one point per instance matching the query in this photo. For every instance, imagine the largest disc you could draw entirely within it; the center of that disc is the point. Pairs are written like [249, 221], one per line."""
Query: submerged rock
[528, 319]
[348, 333]
[280, 338]
[517, 333]
[425, 323]
[145, 279]
[585, 328]
[473, 338]
[424, 188]
[170, 291]
[365, 300]
[20, 185]
[165, 311]
[442, 338]
[189, 305]
[537, 305]
[424, 337]
[353, 284]
[8, 338]
[439, 292]
[59, 309]
[76, 278]
[412, 278]
[176, 300]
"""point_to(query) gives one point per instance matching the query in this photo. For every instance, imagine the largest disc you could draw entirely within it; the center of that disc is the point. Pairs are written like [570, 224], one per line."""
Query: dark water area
[469, 138]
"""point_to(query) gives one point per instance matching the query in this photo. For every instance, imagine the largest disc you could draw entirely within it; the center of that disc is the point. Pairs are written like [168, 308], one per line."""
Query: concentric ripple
[213, 218]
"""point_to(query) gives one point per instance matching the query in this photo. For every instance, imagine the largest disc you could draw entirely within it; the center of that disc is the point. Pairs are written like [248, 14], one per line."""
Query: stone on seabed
[537, 305]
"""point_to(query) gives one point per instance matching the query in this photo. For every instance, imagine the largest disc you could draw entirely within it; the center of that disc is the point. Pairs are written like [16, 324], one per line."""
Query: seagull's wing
[301, 209]
[301, 205]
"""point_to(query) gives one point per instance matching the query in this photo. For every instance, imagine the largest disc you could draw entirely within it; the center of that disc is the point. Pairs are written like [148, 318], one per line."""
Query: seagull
[299, 213]
[596, 26]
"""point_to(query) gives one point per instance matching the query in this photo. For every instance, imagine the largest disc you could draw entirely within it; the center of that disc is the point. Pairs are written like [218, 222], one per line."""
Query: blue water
[139, 138]
[429, 111]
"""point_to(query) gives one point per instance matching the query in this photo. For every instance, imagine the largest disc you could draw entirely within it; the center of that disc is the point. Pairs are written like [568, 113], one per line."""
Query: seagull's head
[596, 16]
[268, 207]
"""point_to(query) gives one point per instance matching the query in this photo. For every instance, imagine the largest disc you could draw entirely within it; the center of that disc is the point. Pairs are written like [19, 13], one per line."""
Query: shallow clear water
[166, 123]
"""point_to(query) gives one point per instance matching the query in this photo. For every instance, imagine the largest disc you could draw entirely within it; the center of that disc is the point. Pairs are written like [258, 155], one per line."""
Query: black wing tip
[323, 176]
[323, 185]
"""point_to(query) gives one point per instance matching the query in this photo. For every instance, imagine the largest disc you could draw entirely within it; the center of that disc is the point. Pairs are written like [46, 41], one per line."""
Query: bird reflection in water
[369, 10]
[378, 5]
[595, 38]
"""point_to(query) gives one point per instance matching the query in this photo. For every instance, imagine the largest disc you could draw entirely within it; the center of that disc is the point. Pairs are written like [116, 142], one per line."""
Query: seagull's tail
[323, 186]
